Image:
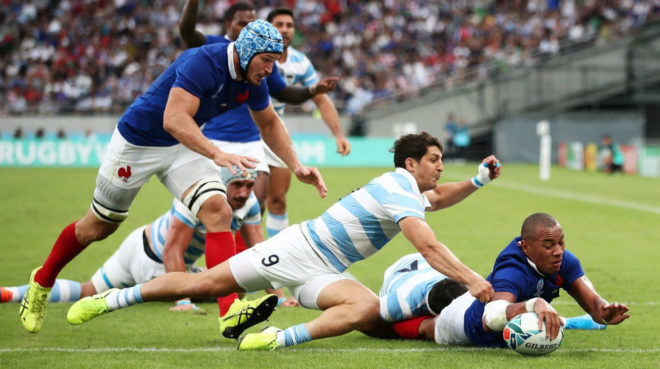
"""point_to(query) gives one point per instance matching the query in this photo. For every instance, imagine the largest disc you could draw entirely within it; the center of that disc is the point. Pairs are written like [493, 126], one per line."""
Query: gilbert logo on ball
[523, 336]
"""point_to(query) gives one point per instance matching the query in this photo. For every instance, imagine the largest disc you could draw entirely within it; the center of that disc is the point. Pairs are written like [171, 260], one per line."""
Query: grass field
[611, 222]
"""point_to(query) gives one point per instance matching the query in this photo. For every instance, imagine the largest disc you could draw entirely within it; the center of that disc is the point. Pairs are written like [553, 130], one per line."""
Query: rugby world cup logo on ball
[523, 336]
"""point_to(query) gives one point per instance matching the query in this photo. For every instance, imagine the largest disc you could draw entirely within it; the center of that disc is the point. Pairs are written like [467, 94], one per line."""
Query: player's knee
[203, 287]
[206, 199]
[365, 313]
[91, 230]
[215, 213]
[276, 204]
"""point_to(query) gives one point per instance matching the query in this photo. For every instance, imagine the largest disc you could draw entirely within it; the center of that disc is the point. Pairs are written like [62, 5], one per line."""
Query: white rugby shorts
[128, 266]
[126, 167]
[285, 260]
[449, 325]
[272, 159]
[252, 148]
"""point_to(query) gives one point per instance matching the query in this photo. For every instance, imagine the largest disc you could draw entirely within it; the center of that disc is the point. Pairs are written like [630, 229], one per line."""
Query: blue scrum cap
[241, 175]
[256, 38]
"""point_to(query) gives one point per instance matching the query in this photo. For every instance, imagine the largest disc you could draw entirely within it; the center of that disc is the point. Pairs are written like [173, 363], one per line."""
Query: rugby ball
[522, 335]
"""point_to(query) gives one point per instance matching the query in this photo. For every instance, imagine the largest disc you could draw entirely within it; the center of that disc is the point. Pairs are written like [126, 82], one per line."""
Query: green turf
[611, 222]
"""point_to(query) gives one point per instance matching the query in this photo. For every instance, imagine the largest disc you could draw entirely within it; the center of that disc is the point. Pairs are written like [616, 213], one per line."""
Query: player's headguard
[256, 38]
[241, 175]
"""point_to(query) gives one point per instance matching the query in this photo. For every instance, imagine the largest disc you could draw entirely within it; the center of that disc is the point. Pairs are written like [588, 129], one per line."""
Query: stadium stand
[97, 57]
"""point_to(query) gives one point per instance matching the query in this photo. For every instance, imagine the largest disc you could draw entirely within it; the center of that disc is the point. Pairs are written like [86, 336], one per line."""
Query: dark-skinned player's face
[240, 20]
[546, 248]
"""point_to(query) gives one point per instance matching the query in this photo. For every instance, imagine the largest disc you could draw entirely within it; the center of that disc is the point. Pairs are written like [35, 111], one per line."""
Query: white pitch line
[322, 350]
[629, 303]
[571, 196]
[580, 197]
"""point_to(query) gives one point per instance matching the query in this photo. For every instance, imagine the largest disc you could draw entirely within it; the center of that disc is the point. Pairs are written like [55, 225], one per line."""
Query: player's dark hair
[533, 222]
[237, 7]
[281, 11]
[443, 292]
[413, 146]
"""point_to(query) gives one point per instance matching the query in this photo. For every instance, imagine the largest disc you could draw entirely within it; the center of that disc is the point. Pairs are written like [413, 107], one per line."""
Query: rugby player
[309, 258]
[159, 134]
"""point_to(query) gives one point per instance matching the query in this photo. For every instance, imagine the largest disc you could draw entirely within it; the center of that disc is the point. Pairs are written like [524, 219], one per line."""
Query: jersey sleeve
[198, 75]
[259, 99]
[275, 81]
[309, 78]
[571, 269]
[400, 201]
[509, 279]
[211, 39]
[182, 213]
[253, 216]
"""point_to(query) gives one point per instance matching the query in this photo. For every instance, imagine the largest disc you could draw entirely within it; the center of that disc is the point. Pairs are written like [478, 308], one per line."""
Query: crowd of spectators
[99, 55]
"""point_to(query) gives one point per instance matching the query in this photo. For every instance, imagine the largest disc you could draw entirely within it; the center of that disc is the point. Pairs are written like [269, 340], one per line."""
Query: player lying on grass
[527, 276]
[309, 258]
[159, 134]
[173, 242]
[412, 289]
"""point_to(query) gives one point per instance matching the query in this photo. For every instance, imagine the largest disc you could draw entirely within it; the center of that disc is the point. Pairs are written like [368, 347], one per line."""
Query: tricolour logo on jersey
[242, 97]
[124, 173]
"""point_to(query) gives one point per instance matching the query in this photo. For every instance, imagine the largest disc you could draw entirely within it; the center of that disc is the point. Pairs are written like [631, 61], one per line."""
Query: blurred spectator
[98, 56]
[449, 133]
[461, 139]
[18, 133]
[61, 134]
[611, 155]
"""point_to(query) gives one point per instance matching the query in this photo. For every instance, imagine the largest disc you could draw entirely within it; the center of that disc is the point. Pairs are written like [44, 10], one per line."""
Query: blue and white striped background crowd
[97, 56]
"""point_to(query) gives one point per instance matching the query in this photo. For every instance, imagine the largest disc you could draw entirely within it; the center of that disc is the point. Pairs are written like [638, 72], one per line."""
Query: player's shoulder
[296, 56]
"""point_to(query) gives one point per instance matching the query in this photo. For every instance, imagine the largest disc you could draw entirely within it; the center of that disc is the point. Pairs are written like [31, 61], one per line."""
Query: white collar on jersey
[414, 185]
[536, 269]
[230, 60]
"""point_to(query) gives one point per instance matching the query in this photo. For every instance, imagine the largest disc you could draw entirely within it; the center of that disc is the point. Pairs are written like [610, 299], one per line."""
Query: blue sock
[584, 322]
[293, 336]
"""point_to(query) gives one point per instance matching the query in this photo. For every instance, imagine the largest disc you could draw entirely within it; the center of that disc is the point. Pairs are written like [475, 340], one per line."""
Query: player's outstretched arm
[252, 234]
[442, 259]
[178, 121]
[190, 36]
[331, 119]
[275, 135]
[600, 310]
[448, 194]
[177, 240]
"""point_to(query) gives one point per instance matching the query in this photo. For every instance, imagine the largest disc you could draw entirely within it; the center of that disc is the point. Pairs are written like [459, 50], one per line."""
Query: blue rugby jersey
[405, 289]
[206, 72]
[237, 125]
[362, 222]
[514, 273]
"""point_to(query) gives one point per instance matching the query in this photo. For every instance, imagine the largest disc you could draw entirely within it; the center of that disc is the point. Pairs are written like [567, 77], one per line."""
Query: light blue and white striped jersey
[362, 223]
[297, 69]
[249, 214]
[406, 287]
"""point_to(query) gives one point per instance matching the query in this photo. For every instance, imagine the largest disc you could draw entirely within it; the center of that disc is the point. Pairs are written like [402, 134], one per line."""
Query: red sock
[240, 243]
[65, 249]
[409, 329]
[220, 247]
